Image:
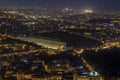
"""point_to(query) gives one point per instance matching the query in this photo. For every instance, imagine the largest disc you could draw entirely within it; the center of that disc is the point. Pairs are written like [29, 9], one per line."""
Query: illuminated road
[19, 53]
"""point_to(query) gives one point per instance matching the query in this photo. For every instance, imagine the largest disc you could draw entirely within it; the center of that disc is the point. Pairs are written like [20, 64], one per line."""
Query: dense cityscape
[59, 44]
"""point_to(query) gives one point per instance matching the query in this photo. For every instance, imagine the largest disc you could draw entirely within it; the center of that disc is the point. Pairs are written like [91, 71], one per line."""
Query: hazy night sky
[79, 4]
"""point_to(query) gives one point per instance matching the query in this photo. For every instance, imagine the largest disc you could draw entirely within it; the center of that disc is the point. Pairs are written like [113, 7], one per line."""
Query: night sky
[77, 4]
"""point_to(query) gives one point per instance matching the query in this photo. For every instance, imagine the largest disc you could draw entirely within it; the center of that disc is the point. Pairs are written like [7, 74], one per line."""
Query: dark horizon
[75, 4]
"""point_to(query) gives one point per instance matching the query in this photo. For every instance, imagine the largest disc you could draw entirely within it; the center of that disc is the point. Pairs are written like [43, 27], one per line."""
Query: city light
[88, 11]
[66, 40]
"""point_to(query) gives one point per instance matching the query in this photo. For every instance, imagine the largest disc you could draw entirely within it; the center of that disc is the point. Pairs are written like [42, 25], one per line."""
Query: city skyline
[75, 4]
[59, 40]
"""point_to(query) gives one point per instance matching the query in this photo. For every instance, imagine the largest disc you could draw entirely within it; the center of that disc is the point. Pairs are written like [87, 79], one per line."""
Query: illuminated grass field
[44, 42]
